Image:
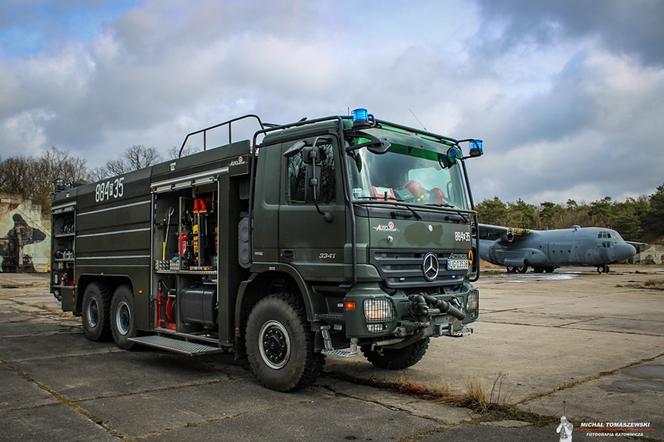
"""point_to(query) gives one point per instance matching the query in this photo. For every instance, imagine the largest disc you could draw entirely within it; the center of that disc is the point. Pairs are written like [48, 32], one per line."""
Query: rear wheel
[280, 347]
[523, 269]
[511, 269]
[538, 269]
[549, 269]
[96, 301]
[123, 317]
[397, 359]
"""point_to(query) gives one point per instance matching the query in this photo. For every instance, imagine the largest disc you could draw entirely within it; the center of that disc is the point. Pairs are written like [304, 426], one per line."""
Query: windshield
[406, 173]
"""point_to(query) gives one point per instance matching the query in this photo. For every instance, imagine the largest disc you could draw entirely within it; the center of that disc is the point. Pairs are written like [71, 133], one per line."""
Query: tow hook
[420, 306]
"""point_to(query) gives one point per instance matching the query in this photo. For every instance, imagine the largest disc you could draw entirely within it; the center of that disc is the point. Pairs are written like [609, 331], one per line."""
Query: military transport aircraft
[546, 250]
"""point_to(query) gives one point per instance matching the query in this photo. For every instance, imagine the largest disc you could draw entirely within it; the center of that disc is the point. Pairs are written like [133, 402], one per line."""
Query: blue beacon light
[476, 148]
[360, 116]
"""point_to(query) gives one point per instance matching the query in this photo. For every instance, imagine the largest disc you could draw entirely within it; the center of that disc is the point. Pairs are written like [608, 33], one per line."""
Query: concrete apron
[548, 344]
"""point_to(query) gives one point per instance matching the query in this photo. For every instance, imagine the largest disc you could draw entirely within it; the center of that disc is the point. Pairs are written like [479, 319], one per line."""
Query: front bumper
[404, 323]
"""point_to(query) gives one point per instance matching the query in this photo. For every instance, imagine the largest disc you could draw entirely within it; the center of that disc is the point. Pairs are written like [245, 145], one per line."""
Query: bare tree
[33, 178]
[138, 157]
[134, 158]
[174, 152]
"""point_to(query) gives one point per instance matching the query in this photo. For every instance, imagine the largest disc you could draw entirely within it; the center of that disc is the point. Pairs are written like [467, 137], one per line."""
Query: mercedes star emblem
[430, 267]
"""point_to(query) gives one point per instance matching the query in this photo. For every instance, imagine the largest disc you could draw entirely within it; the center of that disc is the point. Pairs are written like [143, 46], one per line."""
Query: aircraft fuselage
[587, 246]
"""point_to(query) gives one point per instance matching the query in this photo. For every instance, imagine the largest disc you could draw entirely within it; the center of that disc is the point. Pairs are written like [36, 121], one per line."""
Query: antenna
[418, 120]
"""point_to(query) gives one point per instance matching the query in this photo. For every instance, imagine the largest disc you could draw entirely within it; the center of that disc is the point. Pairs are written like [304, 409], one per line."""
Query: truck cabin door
[308, 240]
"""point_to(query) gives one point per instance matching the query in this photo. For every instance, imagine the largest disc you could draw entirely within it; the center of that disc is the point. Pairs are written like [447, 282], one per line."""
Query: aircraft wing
[505, 234]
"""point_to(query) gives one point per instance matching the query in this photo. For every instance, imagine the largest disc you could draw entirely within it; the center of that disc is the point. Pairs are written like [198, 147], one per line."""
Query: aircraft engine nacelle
[513, 233]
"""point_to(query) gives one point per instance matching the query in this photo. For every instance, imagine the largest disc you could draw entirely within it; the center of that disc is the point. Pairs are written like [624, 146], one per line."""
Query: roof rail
[230, 133]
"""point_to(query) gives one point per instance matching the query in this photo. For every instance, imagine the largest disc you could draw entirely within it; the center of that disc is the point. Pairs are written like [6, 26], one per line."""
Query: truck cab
[327, 237]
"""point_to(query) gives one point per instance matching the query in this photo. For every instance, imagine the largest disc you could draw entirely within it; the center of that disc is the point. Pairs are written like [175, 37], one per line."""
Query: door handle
[287, 254]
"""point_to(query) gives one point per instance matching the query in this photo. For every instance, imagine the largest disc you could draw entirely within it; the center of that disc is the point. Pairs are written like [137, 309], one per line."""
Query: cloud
[561, 111]
[625, 27]
[605, 143]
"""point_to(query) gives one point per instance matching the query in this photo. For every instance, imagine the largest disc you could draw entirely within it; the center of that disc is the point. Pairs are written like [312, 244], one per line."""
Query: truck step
[339, 353]
[176, 345]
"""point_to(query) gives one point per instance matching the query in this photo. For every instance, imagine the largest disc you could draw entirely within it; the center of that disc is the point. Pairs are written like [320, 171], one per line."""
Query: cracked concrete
[578, 344]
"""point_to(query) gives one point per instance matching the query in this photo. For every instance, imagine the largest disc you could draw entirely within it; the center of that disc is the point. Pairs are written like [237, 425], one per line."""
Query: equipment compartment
[185, 265]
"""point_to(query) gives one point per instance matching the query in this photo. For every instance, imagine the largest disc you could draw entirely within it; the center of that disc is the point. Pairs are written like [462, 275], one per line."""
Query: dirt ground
[576, 343]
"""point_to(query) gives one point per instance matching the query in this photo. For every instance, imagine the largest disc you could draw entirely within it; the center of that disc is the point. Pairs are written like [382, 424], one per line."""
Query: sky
[567, 95]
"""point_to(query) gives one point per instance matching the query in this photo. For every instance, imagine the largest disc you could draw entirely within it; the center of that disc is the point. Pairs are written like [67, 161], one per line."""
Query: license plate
[457, 264]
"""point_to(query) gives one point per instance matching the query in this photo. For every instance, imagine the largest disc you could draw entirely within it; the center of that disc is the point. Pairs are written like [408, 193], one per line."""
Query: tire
[523, 269]
[123, 317]
[95, 312]
[397, 359]
[549, 269]
[280, 347]
[510, 269]
[538, 269]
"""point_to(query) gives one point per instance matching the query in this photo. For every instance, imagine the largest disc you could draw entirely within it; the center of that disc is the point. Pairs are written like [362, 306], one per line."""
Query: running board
[339, 353]
[331, 351]
[176, 345]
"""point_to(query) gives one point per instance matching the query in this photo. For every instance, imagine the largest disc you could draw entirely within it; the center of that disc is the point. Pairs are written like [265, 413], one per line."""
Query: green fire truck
[324, 237]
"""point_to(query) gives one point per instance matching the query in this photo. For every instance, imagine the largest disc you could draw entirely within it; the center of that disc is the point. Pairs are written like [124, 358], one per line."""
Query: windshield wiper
[377, 200]
[456, 210]
[440, 205]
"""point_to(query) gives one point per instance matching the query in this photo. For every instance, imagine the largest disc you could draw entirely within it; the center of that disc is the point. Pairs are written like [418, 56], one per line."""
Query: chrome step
[176, 345]
[331, 351]
[339, 353]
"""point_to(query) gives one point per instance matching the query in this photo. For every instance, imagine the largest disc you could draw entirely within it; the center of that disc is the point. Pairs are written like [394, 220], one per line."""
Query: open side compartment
[185, 248]
[63, 248]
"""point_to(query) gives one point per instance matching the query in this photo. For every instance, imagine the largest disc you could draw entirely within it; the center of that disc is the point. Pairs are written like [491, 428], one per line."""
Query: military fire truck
[323, 237]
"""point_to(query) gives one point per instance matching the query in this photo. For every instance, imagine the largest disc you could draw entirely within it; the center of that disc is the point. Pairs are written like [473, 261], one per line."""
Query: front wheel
[123, 317]
[397, 359]
[280, 348]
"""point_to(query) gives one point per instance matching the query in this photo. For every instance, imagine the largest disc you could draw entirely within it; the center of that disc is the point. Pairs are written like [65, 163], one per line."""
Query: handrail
[230, 133]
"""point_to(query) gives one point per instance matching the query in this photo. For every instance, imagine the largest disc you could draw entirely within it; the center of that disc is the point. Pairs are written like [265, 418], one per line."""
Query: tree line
[636, 219]
[33, 177]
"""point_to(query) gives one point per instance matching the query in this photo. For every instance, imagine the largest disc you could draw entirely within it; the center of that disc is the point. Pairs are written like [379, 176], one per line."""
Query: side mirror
[374, 145]
[380, 148]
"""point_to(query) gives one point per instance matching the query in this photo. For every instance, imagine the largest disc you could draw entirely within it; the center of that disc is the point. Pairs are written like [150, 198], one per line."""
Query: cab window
[297, 177]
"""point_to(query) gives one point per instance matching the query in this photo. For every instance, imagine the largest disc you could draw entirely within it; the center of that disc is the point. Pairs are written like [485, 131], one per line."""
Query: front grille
[403, 269]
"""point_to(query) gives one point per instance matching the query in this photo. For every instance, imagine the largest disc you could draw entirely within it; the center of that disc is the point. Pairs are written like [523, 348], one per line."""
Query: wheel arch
[262, 284]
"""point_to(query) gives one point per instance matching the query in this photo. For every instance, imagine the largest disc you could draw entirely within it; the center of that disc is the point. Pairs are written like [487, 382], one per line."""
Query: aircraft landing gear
[549, 269]
[510, 269]
[603, 269]
[523, 269]
[538, 269]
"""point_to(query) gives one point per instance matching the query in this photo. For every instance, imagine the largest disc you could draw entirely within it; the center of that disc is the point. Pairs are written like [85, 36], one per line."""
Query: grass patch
[490, 402]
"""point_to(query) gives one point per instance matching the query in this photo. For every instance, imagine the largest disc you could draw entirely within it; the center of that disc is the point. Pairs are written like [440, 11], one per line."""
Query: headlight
[473, 301]
[378, 310]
